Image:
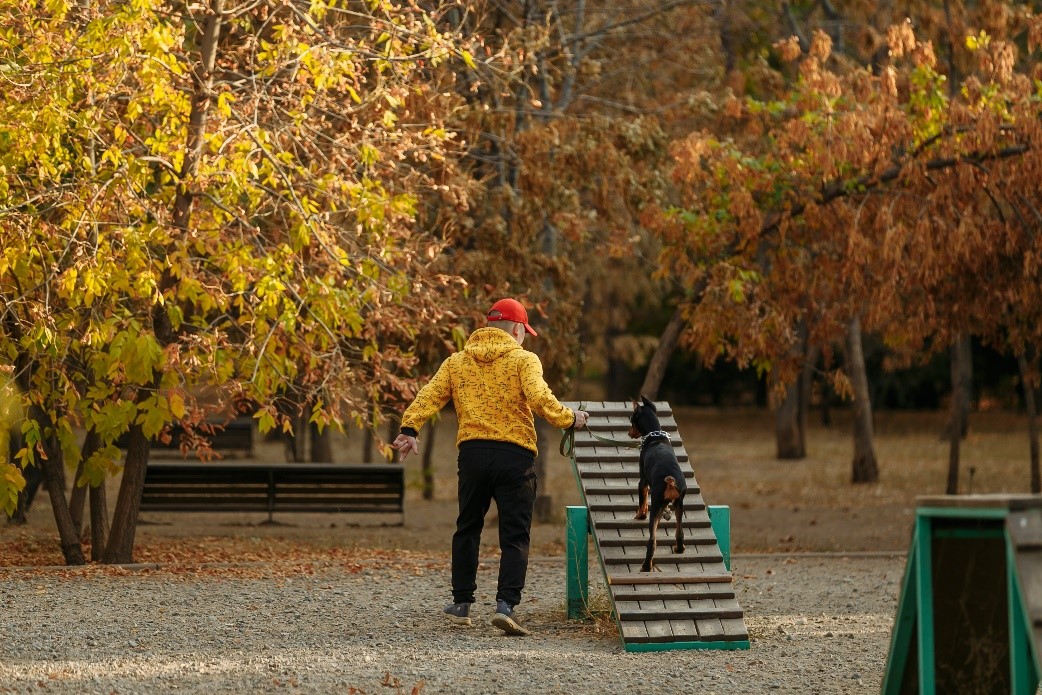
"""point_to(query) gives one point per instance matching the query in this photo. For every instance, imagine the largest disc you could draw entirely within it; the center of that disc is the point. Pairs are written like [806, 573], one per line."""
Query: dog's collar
[651, 435]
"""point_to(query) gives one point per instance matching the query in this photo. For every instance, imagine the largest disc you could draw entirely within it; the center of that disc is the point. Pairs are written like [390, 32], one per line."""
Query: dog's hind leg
[678, 510]
[649, 558]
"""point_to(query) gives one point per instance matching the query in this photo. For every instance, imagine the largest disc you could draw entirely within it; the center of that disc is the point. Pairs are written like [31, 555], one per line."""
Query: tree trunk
[727, 41]
[99, 522]
[120, 546]
[543, 503]
[68, 535]
[790, 417]
[788, 435]
[33, 478]
[952, 484]
[826, 404]
[367, 446]
[865, 468]
[616, 372]
[961, 354]
[667, 344]
[1027, 378]
[321, 445]
[52, 468]
[427, 465]
[962, 373]
[810, 365]
[394, 427]
[297, 440]
[78, 498]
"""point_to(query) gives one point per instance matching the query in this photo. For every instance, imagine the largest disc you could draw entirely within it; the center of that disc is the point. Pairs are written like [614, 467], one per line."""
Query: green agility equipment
[690, 603]
[970, 613]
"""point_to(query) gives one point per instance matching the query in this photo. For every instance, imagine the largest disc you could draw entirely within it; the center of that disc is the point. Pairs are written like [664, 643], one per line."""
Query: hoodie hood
[489, 344]
[497, 388]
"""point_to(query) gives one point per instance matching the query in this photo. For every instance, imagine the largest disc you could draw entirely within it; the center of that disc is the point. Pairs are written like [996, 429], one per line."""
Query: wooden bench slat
[243, 486]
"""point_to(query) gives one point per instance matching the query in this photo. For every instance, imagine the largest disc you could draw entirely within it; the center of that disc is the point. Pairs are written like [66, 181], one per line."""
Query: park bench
[189, 486]
[232, 438]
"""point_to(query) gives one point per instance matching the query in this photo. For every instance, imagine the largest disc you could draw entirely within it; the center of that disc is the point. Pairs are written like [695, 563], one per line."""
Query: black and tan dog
[662, 483]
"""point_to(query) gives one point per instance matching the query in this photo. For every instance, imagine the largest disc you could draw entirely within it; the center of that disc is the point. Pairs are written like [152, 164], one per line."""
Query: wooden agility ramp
[689, 603]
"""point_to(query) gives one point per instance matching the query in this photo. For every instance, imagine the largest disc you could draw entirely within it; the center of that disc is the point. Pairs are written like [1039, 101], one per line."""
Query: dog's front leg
[642, 506]
[642, 492]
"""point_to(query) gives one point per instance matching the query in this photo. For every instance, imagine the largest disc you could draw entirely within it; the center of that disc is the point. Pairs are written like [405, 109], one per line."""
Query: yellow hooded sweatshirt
[495, 385]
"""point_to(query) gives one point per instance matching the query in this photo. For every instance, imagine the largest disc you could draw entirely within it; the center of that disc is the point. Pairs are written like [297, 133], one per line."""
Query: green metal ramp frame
[690, 603]
[969, 618]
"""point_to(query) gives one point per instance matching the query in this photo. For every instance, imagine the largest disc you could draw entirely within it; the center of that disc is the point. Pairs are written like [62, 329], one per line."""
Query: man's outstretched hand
[581, 416]
[405, 445]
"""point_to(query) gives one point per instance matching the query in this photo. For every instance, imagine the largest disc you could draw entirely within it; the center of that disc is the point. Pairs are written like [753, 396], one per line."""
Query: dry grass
[734, 454]
[809, 504]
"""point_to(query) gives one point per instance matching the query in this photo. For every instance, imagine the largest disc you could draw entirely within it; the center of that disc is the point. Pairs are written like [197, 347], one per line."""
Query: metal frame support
[720, 520]
[912, 661]
[577, 553]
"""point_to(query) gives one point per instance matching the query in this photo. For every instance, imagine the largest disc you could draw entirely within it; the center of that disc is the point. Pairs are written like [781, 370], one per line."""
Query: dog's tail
[671, 492]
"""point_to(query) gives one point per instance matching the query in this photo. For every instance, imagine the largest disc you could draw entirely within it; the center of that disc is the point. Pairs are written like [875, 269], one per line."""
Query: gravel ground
[818, 624]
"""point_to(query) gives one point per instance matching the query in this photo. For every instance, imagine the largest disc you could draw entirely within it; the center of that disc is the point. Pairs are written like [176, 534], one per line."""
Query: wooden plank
[694, 538]
[634, 554]
[633, 631]
[638, 592]
[608, 408]
[625, 520]
[1025, 529]
[654, 614]
[734, 629]
[710, 629]
[629, 446]
[658, 631]
[599, 503]
[672, 578]
[684, 630]
[623, 478]
[1029, 571]
[586, 455]
[629, 489]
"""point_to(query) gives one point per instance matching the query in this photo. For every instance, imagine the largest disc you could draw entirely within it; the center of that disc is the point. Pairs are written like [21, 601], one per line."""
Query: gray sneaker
[458, 614]
[506, 621]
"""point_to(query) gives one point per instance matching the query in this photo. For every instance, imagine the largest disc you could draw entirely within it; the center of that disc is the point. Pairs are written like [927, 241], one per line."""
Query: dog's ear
[648, 403]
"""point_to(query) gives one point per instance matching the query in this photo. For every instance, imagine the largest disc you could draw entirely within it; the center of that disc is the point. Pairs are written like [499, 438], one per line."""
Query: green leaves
[246, 231]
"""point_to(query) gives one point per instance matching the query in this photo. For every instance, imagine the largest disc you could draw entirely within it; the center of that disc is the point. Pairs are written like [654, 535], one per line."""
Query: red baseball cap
[510, 310]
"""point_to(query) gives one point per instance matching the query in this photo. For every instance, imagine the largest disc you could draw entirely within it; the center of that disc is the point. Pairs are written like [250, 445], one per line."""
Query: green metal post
[1023, 679]
[720, 520]
[924, 604]
[577, 551]
[904, 625]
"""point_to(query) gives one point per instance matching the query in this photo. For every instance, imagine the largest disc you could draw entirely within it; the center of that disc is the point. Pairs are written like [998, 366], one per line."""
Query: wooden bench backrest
[270, 488]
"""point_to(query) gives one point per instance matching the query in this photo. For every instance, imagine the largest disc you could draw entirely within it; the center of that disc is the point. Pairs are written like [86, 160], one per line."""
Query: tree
[840, 215]
[212, 206]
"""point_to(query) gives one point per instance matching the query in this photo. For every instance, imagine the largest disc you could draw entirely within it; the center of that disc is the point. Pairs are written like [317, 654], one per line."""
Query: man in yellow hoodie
[496, 386]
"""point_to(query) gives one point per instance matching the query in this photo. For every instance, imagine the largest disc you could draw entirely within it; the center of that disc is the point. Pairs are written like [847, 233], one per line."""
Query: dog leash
[567, 445]
[628, 443]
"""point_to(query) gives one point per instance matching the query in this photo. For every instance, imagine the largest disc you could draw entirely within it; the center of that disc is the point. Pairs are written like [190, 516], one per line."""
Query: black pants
[506, 474]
